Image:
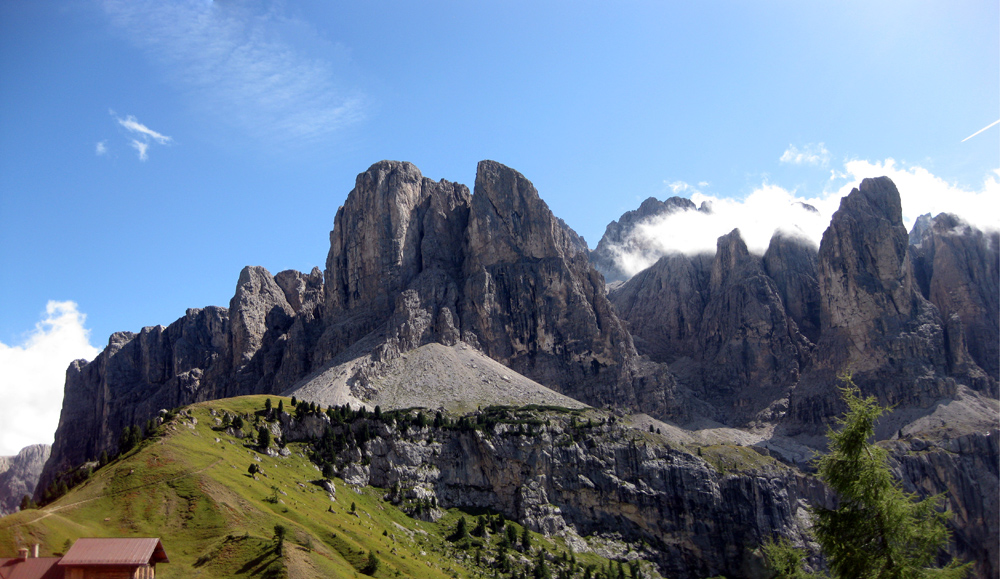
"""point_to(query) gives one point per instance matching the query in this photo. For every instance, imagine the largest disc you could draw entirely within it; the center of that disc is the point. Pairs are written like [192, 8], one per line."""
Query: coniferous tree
[878, 531]
[264, 437]
[279, 538]
[372, 565]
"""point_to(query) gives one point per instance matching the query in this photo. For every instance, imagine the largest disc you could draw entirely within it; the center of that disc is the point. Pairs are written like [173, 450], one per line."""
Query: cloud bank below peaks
[32, 376]
[771, 208]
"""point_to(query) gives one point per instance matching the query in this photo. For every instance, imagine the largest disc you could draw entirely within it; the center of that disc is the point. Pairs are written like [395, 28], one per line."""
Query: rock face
[966, 469]
[792, 265]
[532, 301]
[874, 320]
[663, 306]
[722, 324]
[620, 237]
[958, 270]
[19, 475]
[567, 476]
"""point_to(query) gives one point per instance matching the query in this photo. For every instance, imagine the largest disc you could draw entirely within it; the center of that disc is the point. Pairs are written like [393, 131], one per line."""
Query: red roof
[115, 552]
[32, 568]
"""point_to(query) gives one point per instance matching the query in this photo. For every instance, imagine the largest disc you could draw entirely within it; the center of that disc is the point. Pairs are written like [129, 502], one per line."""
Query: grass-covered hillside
[189, 484]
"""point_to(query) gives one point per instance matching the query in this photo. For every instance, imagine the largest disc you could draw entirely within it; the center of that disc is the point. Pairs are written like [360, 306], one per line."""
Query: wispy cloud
[232, 60]
[809, 155]
[678, 187]
[101, 148]
[135, 126]
[141, 147]
[33, 373]
[141, 136]
[770, 208]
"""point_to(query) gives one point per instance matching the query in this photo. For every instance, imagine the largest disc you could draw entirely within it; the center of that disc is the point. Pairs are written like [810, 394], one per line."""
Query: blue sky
[149, 150]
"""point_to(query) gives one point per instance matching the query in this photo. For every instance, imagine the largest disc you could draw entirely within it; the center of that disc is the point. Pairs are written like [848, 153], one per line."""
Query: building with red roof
[91, 559]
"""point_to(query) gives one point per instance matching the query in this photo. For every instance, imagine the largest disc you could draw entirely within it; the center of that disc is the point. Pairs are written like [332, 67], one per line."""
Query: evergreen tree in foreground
[878, 531]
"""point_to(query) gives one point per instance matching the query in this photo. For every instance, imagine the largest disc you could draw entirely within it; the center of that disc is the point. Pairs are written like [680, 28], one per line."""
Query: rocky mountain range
[733, 348]
[19, 475]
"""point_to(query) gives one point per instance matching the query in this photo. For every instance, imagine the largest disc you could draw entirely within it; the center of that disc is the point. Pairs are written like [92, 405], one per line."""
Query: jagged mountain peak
[424, 275]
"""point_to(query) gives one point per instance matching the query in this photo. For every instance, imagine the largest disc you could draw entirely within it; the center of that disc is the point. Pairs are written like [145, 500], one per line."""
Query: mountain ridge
[737, 340]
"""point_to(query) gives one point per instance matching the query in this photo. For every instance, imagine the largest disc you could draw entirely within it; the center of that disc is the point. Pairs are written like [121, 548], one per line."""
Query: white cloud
[143, 131]
[237, 62]
[32, 376]
[141, 147]
[922, 192]
[809, 155]
[771, 208]
[101, 148]
[143, 136]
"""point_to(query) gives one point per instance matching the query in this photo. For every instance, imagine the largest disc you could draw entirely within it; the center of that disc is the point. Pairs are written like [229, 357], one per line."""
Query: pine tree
[878, 531]
[371, 567]
[264, 437]
[279, 538]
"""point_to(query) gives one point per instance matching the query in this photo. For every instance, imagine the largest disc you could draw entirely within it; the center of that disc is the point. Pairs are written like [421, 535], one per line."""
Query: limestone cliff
[411, 262]
[958, 269]
[588, 473]
[19, 475]
[622, 238]
[533, 302]
[723, 326]
[418, 267]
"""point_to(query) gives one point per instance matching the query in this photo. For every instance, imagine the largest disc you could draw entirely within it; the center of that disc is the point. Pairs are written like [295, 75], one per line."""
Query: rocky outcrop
[532, 301]
[751, 352]
[792, 264]
[722, 324]
[621, 242]
[19, 475]
[958, 269]
[589, 475]
[663, 306]
[874, 321]
[411, 262]
[965, 470]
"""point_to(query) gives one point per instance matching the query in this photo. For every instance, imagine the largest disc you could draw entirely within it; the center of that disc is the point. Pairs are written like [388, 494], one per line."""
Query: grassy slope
[195, 494]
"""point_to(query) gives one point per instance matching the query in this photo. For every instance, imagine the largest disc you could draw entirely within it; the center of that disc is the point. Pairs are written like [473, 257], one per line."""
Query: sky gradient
[150, 150]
